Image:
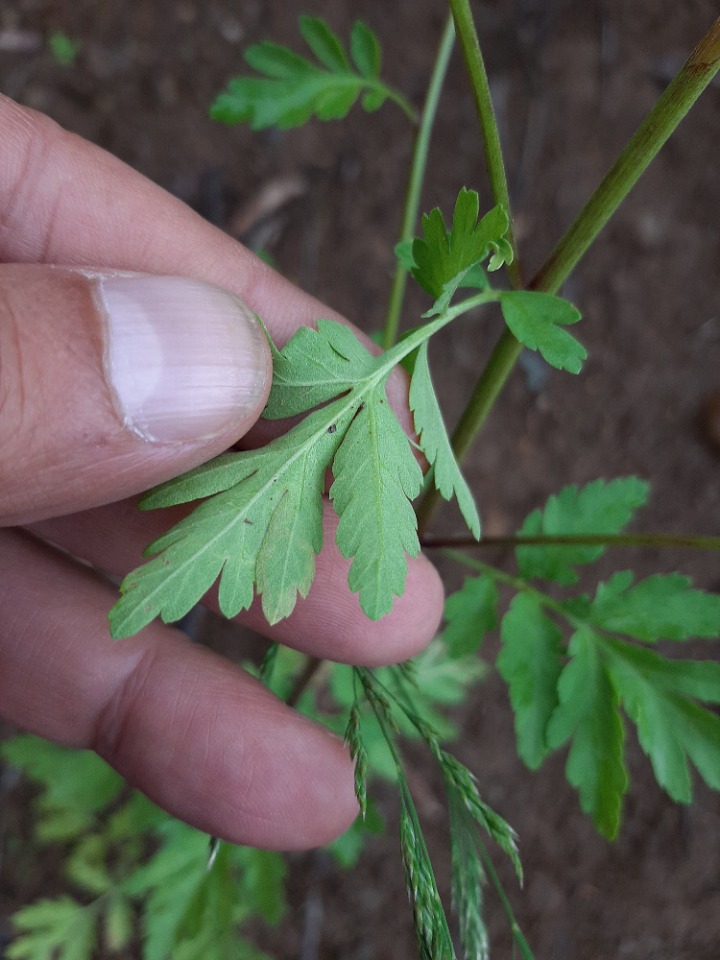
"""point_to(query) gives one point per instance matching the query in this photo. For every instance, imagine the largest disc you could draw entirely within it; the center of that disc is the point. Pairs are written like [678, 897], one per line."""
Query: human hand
[100, 398]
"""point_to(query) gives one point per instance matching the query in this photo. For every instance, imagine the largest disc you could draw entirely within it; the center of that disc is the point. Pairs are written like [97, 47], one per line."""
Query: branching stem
[654, 131]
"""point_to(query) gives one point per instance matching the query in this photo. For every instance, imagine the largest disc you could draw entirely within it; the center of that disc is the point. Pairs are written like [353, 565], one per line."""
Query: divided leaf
[537, 321]
[314, 366]
[76, 785]
[579, 695]
[441, 258]
[261, 526]
[661, 607]
[530, 663]
[61, 928]
[587, 714]
[435, 442]
[267, 501]
[376, 478]
[599, 508]
[183, 899]
[658, 695]
[290, 89]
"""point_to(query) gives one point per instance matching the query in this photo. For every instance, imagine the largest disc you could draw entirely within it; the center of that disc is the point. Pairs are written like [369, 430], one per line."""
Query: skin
[196, 734]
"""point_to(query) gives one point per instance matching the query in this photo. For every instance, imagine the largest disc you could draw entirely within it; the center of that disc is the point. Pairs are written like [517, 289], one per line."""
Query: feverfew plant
[579, 667]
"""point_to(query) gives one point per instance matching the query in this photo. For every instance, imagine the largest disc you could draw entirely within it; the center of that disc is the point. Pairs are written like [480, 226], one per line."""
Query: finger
[329, 623]
[64, 200]
[113, 382]
[199, 737]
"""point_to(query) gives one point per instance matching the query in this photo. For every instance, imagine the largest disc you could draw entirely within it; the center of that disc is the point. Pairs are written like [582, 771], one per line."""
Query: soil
[571, 81]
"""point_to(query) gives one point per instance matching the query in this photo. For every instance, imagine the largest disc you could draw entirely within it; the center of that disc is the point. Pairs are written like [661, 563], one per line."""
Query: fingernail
[184, 359]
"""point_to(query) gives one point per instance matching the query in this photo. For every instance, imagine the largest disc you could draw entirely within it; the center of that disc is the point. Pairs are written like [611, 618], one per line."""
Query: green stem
[415, 182]
[470, 46]
[518, 584]
[544, 599]
[643, 540]
[654, 131]
[401, 101]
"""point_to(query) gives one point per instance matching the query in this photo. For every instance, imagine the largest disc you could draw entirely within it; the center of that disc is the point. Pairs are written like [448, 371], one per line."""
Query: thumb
[112, 382]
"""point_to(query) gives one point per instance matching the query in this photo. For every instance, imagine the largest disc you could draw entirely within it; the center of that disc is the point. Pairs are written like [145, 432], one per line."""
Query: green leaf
[168, 884]
[441, 257]
[324, 44]
[119, 923]
[599, 508]
[470, 614]
[315, 366]
[658, 696]
[444, 678]
[537, 321]
[588, 715]
[61, 929]
[530, 663]
[435, 442]
[185, 902]
[661, 607]
[290, 89]
[264, 530]
[365, 51]
[87, 867]
[263, 881]
[261, 526]
[404, 254]
[376, 477]
[192, 911]
[76, 784]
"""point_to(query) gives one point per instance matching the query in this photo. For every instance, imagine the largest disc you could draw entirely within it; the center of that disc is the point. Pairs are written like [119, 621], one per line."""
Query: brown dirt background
[571, 81]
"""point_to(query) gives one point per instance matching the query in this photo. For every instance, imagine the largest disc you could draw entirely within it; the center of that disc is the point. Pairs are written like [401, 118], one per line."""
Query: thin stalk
[415, 182]
[702, 65]
[544, 599]
[515, 929]
[517, 583]
[470, 46]
[639, 540]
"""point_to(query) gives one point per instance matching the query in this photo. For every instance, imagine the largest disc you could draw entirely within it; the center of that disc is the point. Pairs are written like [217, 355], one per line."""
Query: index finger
[65, 201]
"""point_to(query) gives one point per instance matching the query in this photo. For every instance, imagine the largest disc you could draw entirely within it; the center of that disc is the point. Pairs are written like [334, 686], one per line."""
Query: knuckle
[30, 190]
